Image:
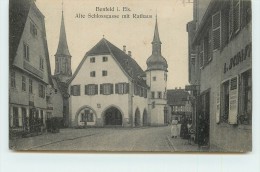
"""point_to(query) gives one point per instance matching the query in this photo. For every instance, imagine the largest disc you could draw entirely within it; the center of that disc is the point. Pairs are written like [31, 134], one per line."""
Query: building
[29, 68]
[220, 65]
[109, 88]
[179, 104]
[61, 75]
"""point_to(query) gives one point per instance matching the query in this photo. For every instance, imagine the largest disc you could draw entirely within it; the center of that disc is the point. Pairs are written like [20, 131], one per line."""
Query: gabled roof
[18, 13]
[128, 64]
[177, 97]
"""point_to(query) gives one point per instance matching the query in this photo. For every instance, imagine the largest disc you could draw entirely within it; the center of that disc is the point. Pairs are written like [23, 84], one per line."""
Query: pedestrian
[184, 129]
[174, 128]
[179, 128]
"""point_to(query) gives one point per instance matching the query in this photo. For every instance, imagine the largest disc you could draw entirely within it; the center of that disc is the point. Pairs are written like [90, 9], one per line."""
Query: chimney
[130, 53]
[124, 49]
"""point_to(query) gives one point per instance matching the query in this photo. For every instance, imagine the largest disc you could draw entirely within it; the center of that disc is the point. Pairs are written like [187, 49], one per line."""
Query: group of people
[181, 128]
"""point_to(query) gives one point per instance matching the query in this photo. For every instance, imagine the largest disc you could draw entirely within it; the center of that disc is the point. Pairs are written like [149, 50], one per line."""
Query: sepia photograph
[169, 76]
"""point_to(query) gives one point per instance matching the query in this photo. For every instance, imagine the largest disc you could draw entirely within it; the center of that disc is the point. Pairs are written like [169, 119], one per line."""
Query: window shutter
[230, 21]
[236, 15]
[96, 89]
[218, 104]
[116, 88]
[216, 30]
[111, 89]
[72, 90]
[126, 88]
[233, 101]
[101, 89]
[78, 90]
[86, 89]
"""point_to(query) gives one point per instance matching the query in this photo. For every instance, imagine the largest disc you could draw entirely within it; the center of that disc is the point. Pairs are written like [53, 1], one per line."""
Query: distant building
[109, 88]
[29, 68]
[180, 106]
[220, 71]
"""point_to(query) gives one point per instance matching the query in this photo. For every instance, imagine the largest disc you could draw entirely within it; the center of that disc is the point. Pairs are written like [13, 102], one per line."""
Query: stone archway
[137, 118]
[145, 118]
[112, 116]
[86, 116]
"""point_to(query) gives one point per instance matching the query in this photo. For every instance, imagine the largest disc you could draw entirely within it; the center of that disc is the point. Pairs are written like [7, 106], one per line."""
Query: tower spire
[63, 45]
[156, 37]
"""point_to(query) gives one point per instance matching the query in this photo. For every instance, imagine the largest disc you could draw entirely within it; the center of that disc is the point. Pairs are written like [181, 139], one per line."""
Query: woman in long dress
[174, 128]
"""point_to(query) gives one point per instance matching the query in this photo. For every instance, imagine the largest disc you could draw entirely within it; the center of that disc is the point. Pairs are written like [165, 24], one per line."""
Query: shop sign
[239, 57]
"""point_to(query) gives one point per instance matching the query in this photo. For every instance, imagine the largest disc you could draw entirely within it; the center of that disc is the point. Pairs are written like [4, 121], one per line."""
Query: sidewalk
[182, 145]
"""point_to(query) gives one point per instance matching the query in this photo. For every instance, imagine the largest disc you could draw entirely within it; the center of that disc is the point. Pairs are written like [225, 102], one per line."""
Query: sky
[135, 33]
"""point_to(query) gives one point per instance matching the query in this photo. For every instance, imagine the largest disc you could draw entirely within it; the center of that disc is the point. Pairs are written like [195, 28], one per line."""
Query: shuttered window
[107, 89]
[41, 91]
[236, 15]
[122, 88]
[75, 90]
[216, 30]
[224, 102]
[91, 89]
[13, 80]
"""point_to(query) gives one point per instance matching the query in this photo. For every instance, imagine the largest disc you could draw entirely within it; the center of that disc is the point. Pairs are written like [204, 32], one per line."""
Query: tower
[156, 79]
[62, 56]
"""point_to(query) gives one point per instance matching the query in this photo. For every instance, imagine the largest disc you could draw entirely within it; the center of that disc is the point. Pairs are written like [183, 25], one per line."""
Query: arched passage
[137, 117]
[86, 116]
[145, 118]
[112, 116]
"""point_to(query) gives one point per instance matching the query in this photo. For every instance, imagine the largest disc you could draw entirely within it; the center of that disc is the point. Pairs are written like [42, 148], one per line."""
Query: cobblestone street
[106, 139]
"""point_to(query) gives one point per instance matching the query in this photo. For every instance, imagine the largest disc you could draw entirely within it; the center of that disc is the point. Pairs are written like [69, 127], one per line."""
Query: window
[30, 86]
[104, 73]
[75, 90]
[106, 89]
[41, 63]
[15, 117]
[216, 30]
[236, 15]
[165, 76]
[246, 115]
[207, 47]
[91, 89]
[23, 83]
[92, 74]
[41, 91]
[159, 95]
[92, 60]
[105, 59]
[13, 83]
[225, 110]
[26, 52]
[122, 88]
[154, 78]
[152, 95]
[33, 29]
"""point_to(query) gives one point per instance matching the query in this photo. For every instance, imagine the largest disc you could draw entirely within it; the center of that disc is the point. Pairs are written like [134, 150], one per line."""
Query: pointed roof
[156, 37]
[63, 46]
[156, 61]
[126, 63]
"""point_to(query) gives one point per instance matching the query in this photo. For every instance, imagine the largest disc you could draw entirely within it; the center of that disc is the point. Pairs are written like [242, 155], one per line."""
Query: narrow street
[102, 139]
